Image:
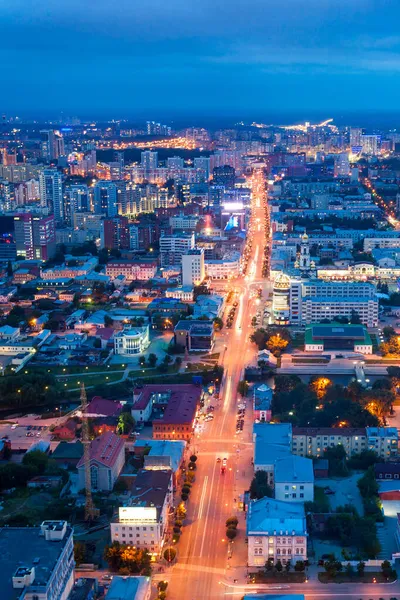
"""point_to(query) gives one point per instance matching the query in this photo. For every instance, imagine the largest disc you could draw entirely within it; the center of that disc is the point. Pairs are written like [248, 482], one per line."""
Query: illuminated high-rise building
[51, 195]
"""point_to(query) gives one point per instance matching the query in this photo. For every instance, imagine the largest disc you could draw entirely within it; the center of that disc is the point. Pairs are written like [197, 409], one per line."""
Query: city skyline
[201, 59]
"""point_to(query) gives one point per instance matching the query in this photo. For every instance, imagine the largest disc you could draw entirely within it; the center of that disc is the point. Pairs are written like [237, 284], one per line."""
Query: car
[224, 462]
[14, 426]
[218, 460]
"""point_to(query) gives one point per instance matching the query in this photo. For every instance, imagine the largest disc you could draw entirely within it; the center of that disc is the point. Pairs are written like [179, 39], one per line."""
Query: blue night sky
[158, 58]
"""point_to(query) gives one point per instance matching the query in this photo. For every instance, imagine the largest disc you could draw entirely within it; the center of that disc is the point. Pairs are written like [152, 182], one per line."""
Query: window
[301, 495]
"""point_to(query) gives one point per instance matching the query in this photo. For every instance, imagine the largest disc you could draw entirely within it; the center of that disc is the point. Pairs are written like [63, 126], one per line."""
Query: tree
[169, 554]
[386, 567]
[388, 332]
[332, 567]
[276, 344]
[178, 361]
[279, 566]
[162, 586]
[243, 388]
[36, 459]
[259, 487]
[142, 361]
[286, 383]
[349, 569]
[167, 360]
[193, 458]
[134, 559]
[108, 321]
[390, 347]
[363, 460]
[232, 521]
[112, 555]
[231, 534]
[367, 484]
[299, 566]
[260, 337]
[288, 566]
[355, 318]
[360, 568]
[218, 323]
[152, 360]
[79, 552]
[319, 385]
[125, 423]
[337, 460]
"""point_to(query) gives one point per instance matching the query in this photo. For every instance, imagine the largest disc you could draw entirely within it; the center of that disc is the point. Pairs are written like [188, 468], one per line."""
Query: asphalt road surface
[203, 549]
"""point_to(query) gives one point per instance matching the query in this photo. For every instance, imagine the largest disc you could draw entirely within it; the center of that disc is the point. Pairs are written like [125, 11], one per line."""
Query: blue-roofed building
[129, 588]
[383, 440]
[163, 454]
[276, 530]
[294, 479]
[272, 442]
[262, 399]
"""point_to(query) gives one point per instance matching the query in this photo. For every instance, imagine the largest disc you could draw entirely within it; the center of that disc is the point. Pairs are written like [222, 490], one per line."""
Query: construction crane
[91, 511]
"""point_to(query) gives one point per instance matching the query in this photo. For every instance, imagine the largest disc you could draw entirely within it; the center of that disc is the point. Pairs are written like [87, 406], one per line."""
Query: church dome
[282, 282]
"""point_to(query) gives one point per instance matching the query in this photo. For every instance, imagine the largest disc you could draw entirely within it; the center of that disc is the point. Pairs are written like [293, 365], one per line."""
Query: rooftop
[341, 431]
[173, 449]
[269, 515]
[128, 588]
[382, 432]
[179, 397]
[150, 488]
[26, 547]
[294, 468]
[105, 449]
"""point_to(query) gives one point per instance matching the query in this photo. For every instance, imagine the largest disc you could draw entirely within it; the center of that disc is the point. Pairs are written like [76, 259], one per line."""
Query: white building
[369, 144]
[342, 165]
[143, 520]
[131, 340]
[51, 196]
[184, 221]
[228, 267]
[39, 561]
[184, 293]
[276, 531]
[193, 270]
[313, 300]
[173, 247]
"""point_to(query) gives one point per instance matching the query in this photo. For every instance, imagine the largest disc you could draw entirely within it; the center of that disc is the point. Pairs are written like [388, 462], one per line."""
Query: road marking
[202, 497]
[208, 507]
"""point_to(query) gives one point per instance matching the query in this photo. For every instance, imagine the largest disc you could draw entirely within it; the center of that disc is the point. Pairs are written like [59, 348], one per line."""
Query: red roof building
[107, 457]
[66, 431]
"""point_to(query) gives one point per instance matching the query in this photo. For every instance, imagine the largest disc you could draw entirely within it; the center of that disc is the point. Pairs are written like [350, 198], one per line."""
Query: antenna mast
[90, 511]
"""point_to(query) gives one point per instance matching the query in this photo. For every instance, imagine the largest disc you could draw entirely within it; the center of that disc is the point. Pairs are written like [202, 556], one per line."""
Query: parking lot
[23, 435]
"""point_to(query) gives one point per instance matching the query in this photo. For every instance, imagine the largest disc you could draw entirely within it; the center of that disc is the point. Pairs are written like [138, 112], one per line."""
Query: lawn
[55, 370]
[90, 380]
[26, 502]
[367, 577]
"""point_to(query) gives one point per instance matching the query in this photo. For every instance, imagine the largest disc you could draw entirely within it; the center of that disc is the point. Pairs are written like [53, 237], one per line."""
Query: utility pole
[90, 511]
